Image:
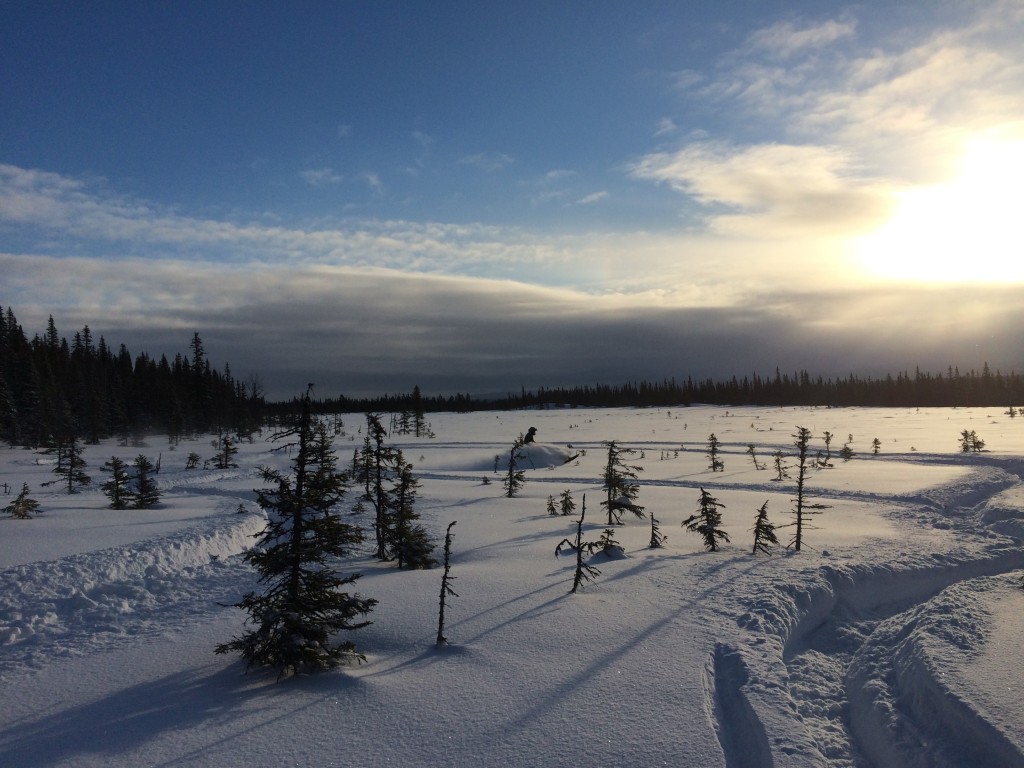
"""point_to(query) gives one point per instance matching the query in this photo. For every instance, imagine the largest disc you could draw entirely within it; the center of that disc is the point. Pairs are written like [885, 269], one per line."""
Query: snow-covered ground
[892, 639]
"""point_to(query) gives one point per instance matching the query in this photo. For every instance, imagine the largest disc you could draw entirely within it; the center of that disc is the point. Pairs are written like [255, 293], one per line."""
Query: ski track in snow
[853, 641]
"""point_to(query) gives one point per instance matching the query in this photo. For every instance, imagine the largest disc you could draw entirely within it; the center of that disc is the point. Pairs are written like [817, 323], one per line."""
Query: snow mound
[533, 456]
[543, 456]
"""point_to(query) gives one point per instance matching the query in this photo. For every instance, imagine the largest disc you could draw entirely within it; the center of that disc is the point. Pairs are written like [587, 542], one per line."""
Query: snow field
[837, 656]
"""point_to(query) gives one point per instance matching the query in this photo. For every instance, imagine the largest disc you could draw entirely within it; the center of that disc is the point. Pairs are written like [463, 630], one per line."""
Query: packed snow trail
[852, 639]
[903, 711]
[86, 601]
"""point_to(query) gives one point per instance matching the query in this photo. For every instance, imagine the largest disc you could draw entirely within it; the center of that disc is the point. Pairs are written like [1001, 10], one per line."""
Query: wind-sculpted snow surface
[892, 639]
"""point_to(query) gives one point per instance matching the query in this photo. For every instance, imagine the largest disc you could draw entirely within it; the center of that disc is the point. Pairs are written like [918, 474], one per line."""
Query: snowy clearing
[892, 639]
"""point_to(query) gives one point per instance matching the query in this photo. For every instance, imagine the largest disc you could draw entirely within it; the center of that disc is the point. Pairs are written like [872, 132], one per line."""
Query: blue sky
[479, 196]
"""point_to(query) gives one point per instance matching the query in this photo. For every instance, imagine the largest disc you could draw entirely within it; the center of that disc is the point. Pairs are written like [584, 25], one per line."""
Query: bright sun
[968, 230]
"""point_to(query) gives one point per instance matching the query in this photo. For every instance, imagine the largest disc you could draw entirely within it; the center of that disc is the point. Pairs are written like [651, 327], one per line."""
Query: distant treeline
[50, 388]
[919, 389]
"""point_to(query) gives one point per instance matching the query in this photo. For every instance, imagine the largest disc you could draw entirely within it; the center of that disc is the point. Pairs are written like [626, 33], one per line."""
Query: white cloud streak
[489, 162]
[852, 131]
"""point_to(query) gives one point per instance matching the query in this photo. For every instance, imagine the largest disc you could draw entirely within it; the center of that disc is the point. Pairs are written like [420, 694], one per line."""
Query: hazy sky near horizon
[479, 196]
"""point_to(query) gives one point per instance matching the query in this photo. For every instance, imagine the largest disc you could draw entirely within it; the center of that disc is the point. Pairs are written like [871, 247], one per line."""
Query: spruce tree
[382, 465]
[826, 460]
[70, 466]
[970, 442]
[619, 486]
[410, 544]
[23, 507]
[658, 539]
[551, 506]
[419, 417]
[446, 584]
[802, 507]
[716, 465]
[226, 450]
[118, 487]
[707, 521]
[566, 503]
[515, 478]
[146, 493]
[781, 470]
[305, 602]
[607, 545]
[764, 532]
[846, 452]
[584, 571]
[752, 453]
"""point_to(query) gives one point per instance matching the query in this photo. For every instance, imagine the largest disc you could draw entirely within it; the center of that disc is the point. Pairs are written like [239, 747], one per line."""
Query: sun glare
[967, 230]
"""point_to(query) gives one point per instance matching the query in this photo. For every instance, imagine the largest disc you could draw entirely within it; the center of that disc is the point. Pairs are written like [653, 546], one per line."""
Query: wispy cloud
[372, 178]
[321, 177]
[596, 197]
[488, 161]
[786, 39]
[666, 125]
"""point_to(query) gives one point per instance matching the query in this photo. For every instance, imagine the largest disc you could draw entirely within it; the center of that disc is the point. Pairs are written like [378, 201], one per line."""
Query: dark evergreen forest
[52, 388]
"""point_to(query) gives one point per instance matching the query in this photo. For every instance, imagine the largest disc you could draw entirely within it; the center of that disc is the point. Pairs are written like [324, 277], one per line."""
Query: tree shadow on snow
[127, 719]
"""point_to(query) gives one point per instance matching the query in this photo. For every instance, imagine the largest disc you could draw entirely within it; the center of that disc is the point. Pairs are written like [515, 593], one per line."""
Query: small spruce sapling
[551, 506]
[226, 450]
[446, 584]
[826, 461]
[716, 464]
[410, 544]
[658, 539]
[24, 507]
[707, 521]
[568, 506]
[876, 446]
[608, 546]
[846, 452]
[619, 485]
[752, 453]
[515, 478]
[970, 442]
[584, 571]
[781, 470]
[802, 507]
[764, 532]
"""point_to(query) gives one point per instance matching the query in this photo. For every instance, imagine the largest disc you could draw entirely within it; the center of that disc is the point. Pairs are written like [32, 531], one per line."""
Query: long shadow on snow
[126, 719]
[731, 693]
